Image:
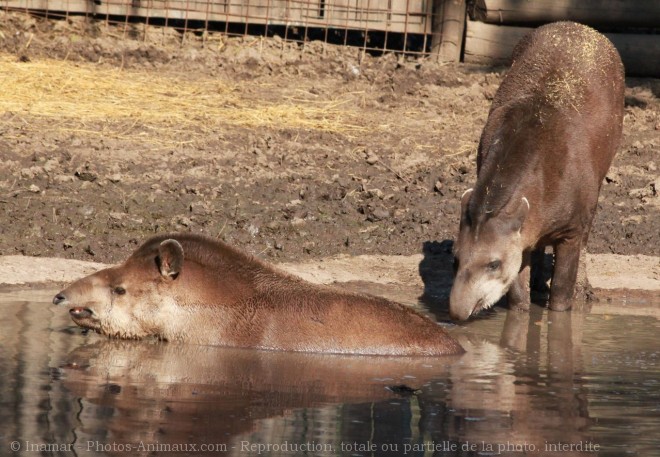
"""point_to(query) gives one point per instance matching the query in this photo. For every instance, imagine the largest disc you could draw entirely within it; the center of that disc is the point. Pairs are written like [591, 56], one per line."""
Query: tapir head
[132, 300]
[488, 256]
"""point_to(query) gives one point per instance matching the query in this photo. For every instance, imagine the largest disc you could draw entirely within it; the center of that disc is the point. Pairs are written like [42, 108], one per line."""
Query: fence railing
[401, 25]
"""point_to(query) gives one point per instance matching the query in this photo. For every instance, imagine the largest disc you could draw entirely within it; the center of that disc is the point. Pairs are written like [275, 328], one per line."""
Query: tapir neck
[201, 323]
[200, 286]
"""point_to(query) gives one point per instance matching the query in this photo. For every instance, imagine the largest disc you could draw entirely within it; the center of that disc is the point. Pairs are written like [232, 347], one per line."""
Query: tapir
[193, 289]
[552, 131]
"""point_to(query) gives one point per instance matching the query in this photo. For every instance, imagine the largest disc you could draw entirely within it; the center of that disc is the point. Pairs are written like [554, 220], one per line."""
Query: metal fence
[375, 25]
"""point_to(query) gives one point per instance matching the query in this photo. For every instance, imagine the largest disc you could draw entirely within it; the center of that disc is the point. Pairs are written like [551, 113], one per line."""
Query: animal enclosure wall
[475, 31]
[402, 16]
[366, 23]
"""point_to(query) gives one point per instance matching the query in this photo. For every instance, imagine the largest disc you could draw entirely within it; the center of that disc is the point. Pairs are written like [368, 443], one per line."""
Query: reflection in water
[526, 398]
[542, 383]
[173, 393]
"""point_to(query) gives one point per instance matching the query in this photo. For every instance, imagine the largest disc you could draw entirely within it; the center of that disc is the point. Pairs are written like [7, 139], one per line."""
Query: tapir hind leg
[583, 291]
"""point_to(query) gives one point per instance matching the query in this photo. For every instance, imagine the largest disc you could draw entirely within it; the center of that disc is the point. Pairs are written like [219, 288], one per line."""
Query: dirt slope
[314, 151]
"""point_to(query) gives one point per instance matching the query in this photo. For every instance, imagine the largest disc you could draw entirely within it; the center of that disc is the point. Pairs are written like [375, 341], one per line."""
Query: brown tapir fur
[552, 131]
[193, 289]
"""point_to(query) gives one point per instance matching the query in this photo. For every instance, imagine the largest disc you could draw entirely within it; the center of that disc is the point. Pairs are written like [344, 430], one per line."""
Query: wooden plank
[448, 29]
[272, 11]
[72, 6]
[634, 13]
[639, 53]
[398, 16]
[493, 44]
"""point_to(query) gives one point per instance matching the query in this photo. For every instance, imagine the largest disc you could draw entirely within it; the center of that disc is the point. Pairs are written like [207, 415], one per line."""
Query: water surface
[541, 383]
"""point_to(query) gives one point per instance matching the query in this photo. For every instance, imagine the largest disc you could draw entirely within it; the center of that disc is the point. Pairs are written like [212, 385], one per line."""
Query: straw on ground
[76, 95]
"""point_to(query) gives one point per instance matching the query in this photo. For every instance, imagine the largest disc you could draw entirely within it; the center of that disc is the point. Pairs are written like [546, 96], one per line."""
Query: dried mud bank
[292, 153]
[619, 280]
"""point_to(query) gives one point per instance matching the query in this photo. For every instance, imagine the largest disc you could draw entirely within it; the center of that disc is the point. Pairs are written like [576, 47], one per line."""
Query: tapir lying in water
[552, 131]
[192, 289]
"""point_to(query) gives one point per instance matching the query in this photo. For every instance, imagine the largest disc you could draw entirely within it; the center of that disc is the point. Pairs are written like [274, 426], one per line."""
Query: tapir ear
[170, 258]
[518, 214]
[465, 204]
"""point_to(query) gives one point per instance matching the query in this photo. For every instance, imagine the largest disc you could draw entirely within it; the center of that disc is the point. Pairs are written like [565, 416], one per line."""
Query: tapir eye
[494, 265]
[119, 290]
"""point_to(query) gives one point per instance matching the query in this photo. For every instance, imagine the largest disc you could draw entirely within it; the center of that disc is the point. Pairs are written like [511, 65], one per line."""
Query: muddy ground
[388, 183]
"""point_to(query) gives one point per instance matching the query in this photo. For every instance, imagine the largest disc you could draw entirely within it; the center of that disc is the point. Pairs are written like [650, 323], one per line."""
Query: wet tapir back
[193, 289]
[552, 131]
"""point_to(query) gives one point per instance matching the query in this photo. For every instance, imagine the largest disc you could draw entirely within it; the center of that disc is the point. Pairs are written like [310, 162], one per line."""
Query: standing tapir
[552, 131]
[192, 289]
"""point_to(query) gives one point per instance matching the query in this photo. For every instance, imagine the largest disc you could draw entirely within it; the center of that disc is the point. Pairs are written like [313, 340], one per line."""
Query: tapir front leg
[567, 262]
[518, 295]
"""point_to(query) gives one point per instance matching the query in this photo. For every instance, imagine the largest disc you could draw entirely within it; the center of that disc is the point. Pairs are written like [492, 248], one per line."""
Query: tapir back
[557, 116]
[566, 63]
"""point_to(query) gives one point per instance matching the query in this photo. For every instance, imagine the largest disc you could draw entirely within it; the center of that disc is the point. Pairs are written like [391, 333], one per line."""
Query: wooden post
[447, 29]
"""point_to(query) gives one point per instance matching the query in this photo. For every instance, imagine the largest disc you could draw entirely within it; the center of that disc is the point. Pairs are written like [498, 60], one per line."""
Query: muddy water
[534, 384]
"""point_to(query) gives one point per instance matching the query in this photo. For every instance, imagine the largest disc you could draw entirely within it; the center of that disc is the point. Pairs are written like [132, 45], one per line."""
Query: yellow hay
[75, 95]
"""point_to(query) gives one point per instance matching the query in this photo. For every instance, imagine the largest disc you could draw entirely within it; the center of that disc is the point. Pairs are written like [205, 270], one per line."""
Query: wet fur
[222, 296]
